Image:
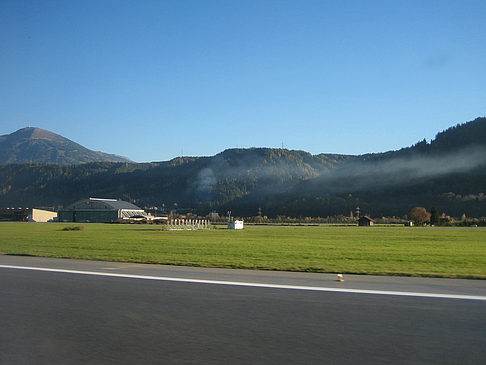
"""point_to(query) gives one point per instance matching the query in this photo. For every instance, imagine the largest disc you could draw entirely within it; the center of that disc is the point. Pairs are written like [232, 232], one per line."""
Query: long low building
[27, 215]
[99, 210]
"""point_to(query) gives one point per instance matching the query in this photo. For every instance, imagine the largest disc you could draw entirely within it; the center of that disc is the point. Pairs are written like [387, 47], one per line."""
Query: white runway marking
[256, 285]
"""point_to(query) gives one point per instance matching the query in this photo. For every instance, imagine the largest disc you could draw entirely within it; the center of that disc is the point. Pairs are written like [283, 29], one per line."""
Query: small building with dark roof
[98, 210]
[365, 221]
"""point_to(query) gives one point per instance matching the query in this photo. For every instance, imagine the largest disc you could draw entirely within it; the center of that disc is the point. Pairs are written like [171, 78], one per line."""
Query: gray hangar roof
[103, 204]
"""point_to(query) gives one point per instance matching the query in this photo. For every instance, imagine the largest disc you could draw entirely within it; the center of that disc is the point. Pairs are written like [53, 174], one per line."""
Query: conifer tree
[434, 216]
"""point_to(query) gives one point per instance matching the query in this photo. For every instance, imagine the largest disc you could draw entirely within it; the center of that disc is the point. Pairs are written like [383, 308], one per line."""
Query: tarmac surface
[89, 312]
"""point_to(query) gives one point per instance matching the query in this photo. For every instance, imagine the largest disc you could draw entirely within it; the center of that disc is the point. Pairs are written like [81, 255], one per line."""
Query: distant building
[14, 214]
[365, 221]
[235, 224]
[98, 210]
[27, 215]
[41, 215]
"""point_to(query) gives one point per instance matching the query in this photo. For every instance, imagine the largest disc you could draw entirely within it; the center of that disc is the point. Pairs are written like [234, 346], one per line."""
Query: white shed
[235, 224]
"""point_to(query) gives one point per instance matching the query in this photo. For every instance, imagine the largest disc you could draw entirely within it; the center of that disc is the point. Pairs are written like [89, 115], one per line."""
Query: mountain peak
[34, 133]
[37, 145]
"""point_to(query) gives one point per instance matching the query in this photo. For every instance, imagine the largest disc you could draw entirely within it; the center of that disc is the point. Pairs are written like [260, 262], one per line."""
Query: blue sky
[153, 79]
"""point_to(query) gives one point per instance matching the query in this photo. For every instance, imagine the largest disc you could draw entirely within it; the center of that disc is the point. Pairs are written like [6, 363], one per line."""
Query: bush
[73, 228]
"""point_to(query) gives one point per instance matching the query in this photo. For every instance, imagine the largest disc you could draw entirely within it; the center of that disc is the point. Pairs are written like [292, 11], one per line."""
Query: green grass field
[439, 252]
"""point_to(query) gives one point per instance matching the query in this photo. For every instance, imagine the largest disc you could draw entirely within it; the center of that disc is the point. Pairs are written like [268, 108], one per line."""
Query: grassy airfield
[437, 252]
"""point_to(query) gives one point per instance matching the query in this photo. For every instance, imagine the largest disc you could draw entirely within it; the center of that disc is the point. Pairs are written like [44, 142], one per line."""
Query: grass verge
[435, 252]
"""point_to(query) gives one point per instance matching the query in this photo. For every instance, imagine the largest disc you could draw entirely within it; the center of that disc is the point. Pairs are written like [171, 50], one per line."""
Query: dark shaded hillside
[189, 181]
[30, 145]
[472, 133]
[449, 172]
[466, 135]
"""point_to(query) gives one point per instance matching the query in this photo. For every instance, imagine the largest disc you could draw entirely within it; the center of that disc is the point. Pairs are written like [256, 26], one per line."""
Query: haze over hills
[449, 173]
[31, 144]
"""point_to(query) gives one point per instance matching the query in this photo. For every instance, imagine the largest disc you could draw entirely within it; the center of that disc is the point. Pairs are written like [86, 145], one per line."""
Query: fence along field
[437, 252]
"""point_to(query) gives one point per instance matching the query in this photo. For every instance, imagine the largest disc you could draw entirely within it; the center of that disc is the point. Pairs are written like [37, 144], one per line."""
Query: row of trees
[420, 216]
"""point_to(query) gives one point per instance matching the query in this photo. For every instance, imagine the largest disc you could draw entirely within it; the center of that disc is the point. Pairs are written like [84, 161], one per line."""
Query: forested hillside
[449, 173]
[188, 181]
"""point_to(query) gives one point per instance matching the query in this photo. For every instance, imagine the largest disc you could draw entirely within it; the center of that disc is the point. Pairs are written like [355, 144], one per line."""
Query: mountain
[28, 145]
[449, 173]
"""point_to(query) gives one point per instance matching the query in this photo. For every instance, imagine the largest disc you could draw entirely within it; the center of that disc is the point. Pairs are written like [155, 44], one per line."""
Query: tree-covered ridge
[472, 133]
[460, 136]
[186, 180]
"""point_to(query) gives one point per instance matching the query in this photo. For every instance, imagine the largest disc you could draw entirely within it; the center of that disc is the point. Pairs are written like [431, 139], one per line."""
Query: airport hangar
[98, 210]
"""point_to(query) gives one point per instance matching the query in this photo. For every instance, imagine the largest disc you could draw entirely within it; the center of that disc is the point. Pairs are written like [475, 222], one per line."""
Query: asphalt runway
[139, 316]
